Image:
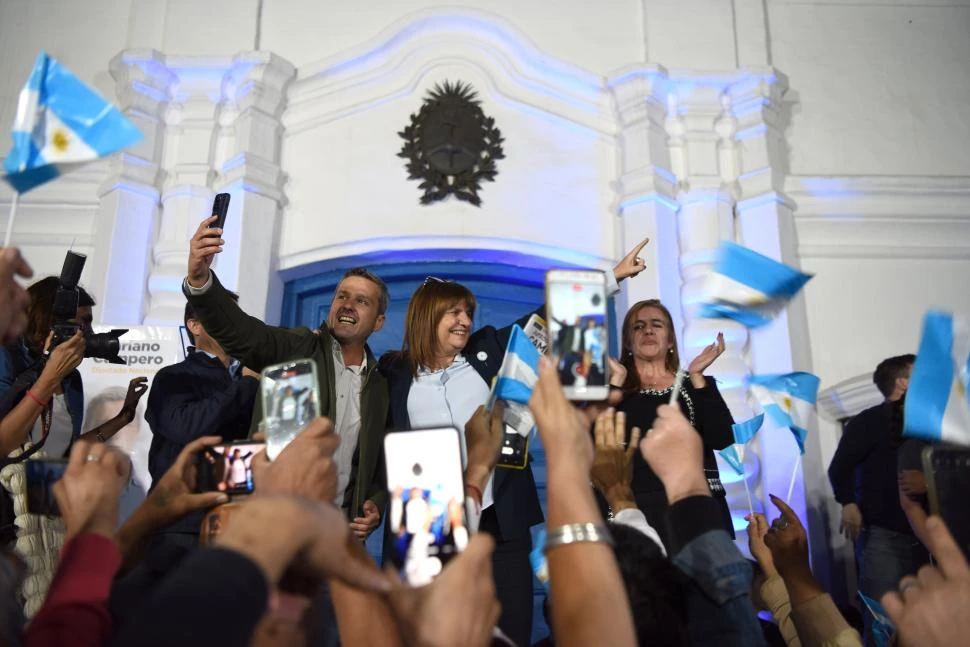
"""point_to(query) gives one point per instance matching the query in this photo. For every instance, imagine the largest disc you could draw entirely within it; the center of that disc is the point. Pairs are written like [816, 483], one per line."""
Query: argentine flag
[788, 400]
[520, 369]
[938, 398]
[733, 458]
[743, 432]
[60, 124]
[748, 287]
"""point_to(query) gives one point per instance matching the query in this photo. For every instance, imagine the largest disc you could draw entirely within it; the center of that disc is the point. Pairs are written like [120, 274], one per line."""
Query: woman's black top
[710, 416]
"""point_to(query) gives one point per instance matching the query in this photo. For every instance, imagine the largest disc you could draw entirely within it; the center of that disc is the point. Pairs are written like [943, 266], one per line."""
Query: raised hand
[674, 451]
[65, 358]
[483, 438]
[612, 455]
[931, 608]
[136, 389]
[787, 541]
[458, 608]
[304, 468]
[563, 429]
[205, 244]
[174, 495]
[89, 493]
[632, 264]
[707, 356]
[757, 530]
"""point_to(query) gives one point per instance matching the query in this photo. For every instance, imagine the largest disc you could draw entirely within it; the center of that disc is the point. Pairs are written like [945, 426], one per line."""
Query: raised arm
[240, 335]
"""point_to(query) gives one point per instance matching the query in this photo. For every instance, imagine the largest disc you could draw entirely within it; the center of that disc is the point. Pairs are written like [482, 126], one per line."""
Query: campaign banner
[145, 350]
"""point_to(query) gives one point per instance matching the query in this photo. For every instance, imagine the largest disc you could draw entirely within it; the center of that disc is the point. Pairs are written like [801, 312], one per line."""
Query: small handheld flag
[883, 627]
[788, 400]
[938, 397]
[60, 124]
[520, 369]
[748, 287]
[745, 431]
[730, 455]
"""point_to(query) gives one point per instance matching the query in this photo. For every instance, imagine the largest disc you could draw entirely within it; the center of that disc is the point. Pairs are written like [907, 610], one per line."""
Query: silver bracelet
[577, 532]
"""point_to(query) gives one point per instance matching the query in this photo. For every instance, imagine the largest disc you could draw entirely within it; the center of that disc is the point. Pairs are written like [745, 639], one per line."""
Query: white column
[250, 133]
[223, 134]
[126, 217]
[701, 129]
[765, 217]
[646, 193]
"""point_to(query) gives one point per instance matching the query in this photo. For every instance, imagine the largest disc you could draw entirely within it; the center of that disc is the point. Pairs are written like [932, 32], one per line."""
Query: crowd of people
[639, 541]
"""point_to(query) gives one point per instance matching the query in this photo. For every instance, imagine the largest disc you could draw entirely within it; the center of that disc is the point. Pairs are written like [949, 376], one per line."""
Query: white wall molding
[882, 217]
[849, 397]
[393, 64]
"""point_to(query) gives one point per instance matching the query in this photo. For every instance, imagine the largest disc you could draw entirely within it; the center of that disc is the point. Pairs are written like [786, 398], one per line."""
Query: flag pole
[11, 218]
[676, 390]
[791, 484]
[744, 479]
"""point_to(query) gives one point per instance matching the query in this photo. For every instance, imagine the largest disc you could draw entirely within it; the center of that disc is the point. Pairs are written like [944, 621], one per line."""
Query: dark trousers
[883, 557]
[512, 573]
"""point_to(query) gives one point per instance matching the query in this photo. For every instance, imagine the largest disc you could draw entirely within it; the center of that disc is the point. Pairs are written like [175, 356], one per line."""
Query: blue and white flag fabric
[733, 458]
[520, 369]
[938, 397]
[748, 287]
[788, 400]
[882, 625]
[745, 431]
[60, 124]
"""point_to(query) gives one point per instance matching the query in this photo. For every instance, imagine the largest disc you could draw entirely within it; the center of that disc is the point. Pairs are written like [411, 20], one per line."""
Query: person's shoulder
[393, 363]
[877, 413]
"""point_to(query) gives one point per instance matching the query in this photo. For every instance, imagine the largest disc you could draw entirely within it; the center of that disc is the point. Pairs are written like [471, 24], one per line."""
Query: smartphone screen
[576, 313]
[947, 471]
[42, 474]
[290, 401]
[426, 515]
[227, 468]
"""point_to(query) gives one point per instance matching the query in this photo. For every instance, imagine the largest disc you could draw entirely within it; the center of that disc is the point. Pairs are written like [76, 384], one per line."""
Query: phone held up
[42, 474]
[947, 471]
[220, 208]
[427, 515]
[227, 468]
[291, 400]
[578, 335]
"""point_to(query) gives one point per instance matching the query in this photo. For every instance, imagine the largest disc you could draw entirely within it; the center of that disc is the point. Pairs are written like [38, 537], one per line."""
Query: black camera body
[104, 346]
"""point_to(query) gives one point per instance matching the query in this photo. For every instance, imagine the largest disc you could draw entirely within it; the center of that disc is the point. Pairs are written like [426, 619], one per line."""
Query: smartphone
[220, 207]
[426, 516]
[42, 474]
[291, 399]
[947, 471]
[578, 336]
[227, 468]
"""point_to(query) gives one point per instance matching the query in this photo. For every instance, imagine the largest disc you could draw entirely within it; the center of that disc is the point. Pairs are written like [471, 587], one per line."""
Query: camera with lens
[104, 346]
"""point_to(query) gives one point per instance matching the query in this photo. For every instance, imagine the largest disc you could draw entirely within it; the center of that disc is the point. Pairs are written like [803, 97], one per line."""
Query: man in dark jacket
[353, 394]
[208, 394]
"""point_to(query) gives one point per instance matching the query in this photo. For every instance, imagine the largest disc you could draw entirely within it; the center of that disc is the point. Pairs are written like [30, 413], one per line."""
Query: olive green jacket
[258, 345]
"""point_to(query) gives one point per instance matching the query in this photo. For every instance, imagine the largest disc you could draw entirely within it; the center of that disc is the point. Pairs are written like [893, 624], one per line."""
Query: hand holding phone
[227, 468]
[220, 208]
[291, 400]
[947, 471]
[576, 309]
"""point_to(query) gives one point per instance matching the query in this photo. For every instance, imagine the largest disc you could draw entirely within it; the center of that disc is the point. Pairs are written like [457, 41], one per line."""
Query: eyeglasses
[435, 279]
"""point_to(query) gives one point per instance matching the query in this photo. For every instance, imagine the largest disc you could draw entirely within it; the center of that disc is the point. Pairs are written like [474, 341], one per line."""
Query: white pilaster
[646, 200]
[128, 197]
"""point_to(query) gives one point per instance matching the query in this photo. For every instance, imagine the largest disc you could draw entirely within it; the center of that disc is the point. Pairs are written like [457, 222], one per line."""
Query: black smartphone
[220, 207]
[227, 468]
[42, 474]
[947, 471]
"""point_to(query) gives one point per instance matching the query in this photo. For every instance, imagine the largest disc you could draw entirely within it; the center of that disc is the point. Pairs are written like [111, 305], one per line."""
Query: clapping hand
[707, 356]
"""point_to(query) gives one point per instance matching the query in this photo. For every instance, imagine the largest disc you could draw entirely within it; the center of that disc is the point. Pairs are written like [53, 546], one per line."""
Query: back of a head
[190, 314]
[657, 590]
[889, 370]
